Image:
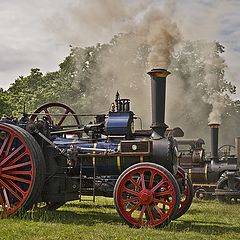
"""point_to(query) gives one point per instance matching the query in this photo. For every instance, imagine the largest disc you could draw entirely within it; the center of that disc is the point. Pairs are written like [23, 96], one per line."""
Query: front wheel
[146, 194]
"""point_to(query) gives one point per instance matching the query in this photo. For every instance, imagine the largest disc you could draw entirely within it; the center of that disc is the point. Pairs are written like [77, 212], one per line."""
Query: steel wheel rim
[16, 171]
[187, 194]
[151, 203]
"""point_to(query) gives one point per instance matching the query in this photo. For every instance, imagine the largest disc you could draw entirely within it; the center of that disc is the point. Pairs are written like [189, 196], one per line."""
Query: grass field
[86, 220]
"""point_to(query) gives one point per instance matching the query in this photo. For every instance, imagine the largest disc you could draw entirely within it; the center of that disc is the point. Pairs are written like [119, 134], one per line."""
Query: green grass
[86, 220]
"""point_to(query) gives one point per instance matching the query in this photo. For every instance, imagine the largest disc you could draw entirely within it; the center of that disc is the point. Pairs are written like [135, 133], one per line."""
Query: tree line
[86, 78]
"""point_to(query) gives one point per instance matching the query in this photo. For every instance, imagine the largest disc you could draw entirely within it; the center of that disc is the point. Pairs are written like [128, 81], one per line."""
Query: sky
[37, 34]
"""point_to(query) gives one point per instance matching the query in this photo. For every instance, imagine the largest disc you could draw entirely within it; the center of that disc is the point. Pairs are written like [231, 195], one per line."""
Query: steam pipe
[214, 141]
[158, 89]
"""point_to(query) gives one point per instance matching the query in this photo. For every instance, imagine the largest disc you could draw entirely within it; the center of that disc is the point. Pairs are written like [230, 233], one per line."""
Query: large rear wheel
[22, 170]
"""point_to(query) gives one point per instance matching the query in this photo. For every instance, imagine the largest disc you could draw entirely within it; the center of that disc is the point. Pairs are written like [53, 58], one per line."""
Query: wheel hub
[146, 196]
[201, 195]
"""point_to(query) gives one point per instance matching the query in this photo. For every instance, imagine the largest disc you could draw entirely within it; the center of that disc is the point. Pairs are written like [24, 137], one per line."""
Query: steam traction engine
[40, 162]
[214, 175]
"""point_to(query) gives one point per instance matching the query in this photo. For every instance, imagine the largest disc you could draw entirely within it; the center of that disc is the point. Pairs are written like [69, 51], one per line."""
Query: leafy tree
[4, 103]
[88, 78]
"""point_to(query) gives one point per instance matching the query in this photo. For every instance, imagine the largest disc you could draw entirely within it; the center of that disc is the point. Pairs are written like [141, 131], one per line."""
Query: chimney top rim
[214, 124]
[159, 72]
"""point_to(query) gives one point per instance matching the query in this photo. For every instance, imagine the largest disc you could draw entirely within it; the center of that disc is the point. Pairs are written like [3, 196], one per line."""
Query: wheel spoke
[159, 211]
[130, 191]
[48, 115]
[16, 178]
[10, 182]
[2, 202]
[18, 172]
[12, 154]
[142, 181]
[134, 208]
[130, 200]
[46, 110]
[10, 190]
[6, 197]
[16, 166]
[135, 183]
[141, 214]
[150, 215]
[9, 144]
[167, 192]
[63, 117]
[17, 158]
[151, 181]
[157, 186]
[4, 144]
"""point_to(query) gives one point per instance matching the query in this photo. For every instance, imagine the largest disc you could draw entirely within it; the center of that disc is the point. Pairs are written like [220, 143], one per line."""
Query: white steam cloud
[143, 23]
[210, 22]
[156, 26]
[218, 102]
[214, 95]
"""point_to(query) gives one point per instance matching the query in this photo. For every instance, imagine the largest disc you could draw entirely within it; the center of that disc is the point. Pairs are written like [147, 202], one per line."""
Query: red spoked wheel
[56, 113]
[21, 170]
[187, 192]
[146, 194]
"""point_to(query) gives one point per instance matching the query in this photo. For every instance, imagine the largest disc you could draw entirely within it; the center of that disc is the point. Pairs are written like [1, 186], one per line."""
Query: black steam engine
[215, 175]
[45, 162]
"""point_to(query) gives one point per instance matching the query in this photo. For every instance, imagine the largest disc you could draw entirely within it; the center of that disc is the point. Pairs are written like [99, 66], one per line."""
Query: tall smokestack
[214, 140]
[158, 89]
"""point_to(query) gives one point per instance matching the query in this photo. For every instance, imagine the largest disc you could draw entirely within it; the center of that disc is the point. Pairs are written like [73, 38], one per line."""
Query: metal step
[90, 191]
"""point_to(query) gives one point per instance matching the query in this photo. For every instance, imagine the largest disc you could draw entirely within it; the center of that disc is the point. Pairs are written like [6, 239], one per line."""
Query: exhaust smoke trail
[144, 23]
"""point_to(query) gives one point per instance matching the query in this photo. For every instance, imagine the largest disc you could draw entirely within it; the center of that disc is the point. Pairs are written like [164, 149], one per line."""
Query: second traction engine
[51, 164]
[214, 175]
